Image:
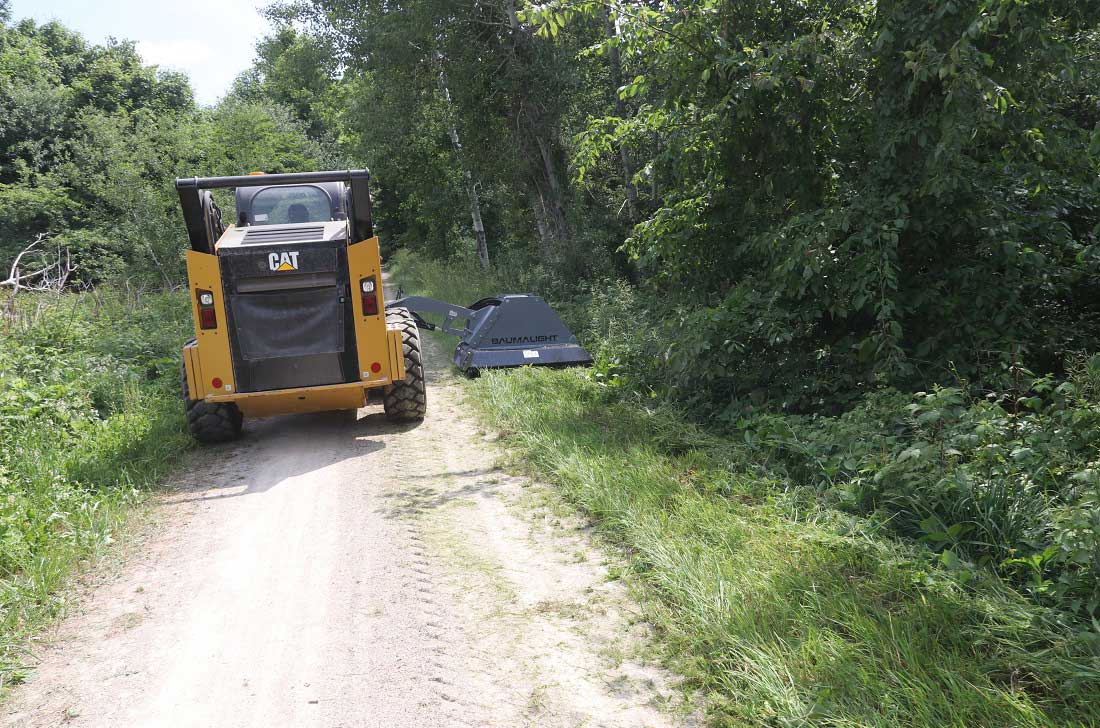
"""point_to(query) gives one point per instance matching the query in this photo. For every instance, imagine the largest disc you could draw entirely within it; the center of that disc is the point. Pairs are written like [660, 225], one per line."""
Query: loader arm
[449, 311]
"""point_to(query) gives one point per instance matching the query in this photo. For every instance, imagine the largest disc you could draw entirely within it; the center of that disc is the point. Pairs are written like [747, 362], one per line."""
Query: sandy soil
[336, 571]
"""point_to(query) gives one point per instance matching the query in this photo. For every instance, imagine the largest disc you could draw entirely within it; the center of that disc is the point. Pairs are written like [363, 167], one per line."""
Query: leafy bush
[1009, 483]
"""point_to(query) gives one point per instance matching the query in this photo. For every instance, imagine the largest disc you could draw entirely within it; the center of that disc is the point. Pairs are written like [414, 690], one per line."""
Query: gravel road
[330, 570]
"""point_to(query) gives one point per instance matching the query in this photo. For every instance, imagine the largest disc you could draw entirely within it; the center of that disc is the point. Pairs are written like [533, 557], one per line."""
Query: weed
[89, 419]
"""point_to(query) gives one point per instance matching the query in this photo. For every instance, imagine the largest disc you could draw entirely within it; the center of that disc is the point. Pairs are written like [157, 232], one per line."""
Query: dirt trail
[331, 571]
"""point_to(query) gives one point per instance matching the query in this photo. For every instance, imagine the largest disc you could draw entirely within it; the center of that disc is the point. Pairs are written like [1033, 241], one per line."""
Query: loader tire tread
[407, 400]
[210, 422]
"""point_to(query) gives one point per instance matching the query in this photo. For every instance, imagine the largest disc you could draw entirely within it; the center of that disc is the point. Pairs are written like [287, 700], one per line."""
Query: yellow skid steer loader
[290, 314]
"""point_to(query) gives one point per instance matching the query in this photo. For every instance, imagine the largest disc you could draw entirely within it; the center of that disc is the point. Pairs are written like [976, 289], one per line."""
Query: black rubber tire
[210, 422]
[407, 400]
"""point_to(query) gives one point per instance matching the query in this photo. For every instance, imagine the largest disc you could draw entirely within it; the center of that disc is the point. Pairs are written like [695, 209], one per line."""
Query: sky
[209, 40]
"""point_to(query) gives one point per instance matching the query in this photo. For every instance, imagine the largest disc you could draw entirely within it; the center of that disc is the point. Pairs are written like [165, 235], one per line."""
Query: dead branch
[51, 276]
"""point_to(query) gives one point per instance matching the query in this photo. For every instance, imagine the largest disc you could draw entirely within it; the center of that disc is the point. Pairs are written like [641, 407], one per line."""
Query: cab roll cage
[203, 218]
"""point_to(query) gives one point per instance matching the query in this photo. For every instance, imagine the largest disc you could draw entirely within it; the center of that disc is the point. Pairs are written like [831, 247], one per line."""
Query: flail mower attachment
[507, 331]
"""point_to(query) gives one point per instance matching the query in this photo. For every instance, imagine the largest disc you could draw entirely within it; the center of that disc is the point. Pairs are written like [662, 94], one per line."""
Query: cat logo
[283, 261]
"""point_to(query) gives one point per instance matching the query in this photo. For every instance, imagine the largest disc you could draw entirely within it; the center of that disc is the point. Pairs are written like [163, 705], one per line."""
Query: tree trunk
[536, 137]
[546, 238]
[513, 19]
[479, 226]
[653, 171]
[553, 202]
[620, 111]
[471, 186]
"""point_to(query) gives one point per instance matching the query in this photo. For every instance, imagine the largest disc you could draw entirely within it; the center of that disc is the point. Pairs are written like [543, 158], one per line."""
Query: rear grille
[285, 282]
[259, 236]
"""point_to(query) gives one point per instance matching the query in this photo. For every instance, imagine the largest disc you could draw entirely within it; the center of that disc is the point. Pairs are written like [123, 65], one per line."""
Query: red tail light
[368, 288]
[208, 317]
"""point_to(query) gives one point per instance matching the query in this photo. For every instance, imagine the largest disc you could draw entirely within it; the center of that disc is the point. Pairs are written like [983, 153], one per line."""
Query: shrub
[89, 417]
[984, 485]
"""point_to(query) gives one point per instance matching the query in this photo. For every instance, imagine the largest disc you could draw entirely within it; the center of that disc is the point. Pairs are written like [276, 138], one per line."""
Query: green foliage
[831, 183]
[783, 610]
[260, 136]
[91, 139]
[442, 99]
[1009, 483]
[457, 280]
[804, 193]
[297, 71]
[89, 418]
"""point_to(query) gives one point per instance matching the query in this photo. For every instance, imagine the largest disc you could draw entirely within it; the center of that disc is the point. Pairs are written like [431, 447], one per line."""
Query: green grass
[89, 420]
[459, 281]
[782, 609]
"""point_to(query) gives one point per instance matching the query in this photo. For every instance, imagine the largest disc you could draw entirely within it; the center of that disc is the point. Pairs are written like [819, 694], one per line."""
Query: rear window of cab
[290, 204]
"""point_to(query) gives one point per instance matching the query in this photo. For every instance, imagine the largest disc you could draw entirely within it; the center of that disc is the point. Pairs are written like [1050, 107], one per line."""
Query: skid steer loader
[290, 313]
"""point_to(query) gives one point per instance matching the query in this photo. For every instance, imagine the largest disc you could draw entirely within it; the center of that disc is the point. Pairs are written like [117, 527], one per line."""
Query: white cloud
[175, 54]
[210, 40]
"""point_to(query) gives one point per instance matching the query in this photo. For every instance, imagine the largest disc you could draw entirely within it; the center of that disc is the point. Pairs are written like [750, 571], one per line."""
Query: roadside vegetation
[802, 569]
[89, 419]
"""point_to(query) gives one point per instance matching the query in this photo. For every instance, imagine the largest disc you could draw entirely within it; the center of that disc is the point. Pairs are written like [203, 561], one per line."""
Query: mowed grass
[89, 419]
[783, 612]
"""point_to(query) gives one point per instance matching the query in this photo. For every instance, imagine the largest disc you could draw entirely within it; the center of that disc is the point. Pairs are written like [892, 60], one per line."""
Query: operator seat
[297, 213]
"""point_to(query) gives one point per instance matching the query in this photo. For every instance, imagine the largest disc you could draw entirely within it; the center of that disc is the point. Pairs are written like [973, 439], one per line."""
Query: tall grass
[784, 600]
[89, 418]
[458, 281]
[788, 612]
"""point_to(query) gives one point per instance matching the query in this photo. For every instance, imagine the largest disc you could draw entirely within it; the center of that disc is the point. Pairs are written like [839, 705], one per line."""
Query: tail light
[368, 288]
[208, 317]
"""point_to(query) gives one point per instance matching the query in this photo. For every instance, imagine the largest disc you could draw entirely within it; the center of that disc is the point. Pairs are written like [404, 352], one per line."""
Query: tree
[295, 70]
[840, 180]
[482, 243]
[503, 98]
[91, 139]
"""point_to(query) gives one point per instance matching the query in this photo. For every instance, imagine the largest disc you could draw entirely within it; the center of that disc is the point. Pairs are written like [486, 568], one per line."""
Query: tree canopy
[827, 197]
[91, 139]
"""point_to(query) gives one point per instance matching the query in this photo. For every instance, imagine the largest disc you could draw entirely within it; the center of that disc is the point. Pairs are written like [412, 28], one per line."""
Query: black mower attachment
[506, 331]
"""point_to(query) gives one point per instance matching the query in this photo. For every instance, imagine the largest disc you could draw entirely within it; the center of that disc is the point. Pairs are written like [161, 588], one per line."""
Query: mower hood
[505, 331]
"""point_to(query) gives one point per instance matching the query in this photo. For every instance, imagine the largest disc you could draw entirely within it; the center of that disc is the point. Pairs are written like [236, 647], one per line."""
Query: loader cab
[291, 204]
[328, 196]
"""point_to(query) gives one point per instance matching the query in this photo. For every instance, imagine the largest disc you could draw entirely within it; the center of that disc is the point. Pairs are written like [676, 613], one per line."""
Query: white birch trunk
[471, 187]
